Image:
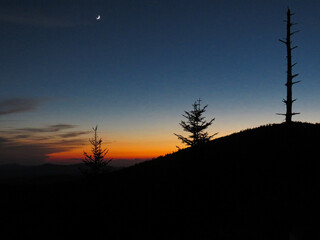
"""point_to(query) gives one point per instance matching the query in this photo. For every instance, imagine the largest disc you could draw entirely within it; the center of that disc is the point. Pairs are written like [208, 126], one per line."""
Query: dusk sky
[137, 69]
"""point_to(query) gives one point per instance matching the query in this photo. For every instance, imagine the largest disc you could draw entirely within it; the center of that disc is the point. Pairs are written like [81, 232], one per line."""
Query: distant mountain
[17, 170]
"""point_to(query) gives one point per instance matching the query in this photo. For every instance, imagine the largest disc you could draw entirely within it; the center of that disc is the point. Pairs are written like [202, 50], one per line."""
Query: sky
[136, 70]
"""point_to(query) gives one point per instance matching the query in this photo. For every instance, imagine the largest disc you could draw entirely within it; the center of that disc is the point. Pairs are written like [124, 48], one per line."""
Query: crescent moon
[99, 17]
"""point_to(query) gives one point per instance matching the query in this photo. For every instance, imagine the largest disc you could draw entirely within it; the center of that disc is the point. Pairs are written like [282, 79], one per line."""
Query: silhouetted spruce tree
[290, 76]
[196, 125]
[95, 163]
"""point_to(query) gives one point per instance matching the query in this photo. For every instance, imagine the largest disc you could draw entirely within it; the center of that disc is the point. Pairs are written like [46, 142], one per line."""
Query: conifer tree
[96, 162]
[196, 125]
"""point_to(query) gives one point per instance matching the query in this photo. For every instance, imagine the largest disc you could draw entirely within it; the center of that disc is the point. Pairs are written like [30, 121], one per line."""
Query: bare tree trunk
[290, 76]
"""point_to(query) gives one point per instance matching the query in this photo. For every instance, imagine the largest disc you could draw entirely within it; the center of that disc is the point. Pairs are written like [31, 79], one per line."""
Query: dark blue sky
[136, 70]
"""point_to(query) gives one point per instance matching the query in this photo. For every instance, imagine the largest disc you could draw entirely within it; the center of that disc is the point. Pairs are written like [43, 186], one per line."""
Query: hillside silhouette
[260, 183]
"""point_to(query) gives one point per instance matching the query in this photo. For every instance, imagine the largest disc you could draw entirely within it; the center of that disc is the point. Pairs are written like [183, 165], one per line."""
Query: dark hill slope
[275, 151]
[260, 183]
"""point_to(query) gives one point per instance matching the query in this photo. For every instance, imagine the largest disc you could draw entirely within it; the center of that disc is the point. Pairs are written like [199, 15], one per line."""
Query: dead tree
[290, 75]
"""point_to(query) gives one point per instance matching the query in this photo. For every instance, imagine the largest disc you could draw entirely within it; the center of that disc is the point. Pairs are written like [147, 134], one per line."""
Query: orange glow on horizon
[124, 150]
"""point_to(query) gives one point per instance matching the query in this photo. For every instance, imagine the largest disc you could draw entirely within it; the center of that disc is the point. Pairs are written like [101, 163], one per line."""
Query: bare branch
[285, 42]
[294, 32]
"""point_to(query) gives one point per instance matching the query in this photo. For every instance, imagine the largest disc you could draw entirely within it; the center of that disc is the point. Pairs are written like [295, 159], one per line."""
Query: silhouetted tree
[290, 76]
[95, 162]
[196, 125]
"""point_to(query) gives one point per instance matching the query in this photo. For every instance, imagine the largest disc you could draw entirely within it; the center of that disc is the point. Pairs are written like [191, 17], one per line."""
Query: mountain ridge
[260, 183]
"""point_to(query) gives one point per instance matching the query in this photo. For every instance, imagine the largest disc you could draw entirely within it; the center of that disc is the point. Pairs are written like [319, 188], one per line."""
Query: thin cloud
[74, 134]
[34, 145]
[71, 143]
[13, 151]
[4, 142]
[18, 105]
[48, 129]
[63, 126]
[22, 136]
[27, 153]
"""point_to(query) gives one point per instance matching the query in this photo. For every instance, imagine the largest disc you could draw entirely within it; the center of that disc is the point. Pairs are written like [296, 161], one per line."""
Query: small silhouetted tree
[95, 163]
[196, 125]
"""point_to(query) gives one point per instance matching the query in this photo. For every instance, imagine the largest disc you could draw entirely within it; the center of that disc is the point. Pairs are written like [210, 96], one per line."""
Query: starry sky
[137, 69]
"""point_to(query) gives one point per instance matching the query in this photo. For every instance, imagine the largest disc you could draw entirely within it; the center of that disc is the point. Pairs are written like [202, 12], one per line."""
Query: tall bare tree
[290, 75]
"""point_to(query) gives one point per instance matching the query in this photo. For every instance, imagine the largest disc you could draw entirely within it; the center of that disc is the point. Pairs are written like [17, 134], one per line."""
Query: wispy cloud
[71, 143]
[4, 142]
[25, 153]
[74, 134]
[30, 153]
[33, 145]
[48, 129]
[17, 105]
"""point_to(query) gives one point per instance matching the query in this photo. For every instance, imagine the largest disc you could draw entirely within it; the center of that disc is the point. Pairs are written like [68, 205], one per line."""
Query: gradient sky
[135, 71]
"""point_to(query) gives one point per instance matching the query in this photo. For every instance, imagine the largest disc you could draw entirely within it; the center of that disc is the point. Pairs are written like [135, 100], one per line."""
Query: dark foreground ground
[261, 183]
